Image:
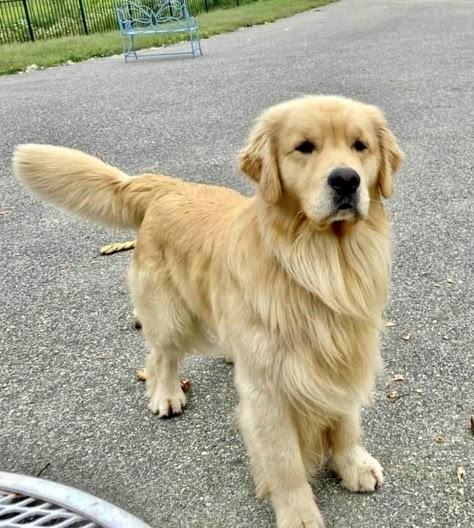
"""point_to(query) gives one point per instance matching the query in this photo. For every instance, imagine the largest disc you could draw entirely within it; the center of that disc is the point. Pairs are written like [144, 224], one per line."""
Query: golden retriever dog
[292, 281]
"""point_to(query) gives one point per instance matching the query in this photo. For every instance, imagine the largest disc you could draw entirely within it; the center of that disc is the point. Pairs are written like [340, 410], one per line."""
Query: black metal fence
[30, 20]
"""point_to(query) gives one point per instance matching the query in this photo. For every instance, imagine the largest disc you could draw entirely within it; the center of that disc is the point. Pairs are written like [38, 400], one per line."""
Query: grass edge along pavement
[45, 53]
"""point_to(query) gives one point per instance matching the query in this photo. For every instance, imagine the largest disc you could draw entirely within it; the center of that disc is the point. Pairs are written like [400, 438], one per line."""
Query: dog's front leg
[274, 448]
[357, 468]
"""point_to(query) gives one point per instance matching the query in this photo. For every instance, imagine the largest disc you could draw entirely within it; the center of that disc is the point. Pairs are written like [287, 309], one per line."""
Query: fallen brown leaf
[389, 324]
[185, 385]
[141, 374]
[461, 474]
[406, 337]
[393, 395]
[398, 377]
[472, 424]
[439, 439]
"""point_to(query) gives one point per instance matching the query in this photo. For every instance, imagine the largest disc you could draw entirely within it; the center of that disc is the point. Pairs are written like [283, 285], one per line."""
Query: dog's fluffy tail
[84, 185]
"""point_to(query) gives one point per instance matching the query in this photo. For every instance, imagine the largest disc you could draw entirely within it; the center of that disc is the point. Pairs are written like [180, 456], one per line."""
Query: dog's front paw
[166, 403]
[310, 519]
[360, 472]
[298, 510]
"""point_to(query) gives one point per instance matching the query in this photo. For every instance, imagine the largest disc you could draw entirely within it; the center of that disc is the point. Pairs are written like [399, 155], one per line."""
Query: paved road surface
[69, 399]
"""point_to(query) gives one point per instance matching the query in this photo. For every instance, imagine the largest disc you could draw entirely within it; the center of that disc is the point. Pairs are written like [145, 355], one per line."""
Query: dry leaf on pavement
[406, 337]
[141, 375]
[393, 395]
[389, 324]
[461, 474]
[398, 377]
[185, 383]
[439, 439]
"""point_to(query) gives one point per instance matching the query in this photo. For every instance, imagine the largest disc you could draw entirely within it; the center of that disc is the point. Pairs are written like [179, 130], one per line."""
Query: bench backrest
[143, 14]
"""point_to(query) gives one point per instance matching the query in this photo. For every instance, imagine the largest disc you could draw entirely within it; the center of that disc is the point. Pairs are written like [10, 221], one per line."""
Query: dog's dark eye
[360, 145]
[306, 147]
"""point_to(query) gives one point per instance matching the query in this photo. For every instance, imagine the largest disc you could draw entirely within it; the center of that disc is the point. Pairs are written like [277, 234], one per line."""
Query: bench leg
[195, 43]
[198, 37]
[128, 44]
[133, 48]
[124, 49]
[191, 41]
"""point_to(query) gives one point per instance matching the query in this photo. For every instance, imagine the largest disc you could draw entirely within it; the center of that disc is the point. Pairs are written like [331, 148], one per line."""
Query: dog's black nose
[344, 180]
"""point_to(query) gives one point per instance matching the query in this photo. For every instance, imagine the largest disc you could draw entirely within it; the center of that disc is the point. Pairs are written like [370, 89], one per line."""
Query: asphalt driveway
[69, 402]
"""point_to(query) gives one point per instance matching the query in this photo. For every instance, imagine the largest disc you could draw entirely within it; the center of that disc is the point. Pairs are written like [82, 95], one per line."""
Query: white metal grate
[28, 502]
[19, 511]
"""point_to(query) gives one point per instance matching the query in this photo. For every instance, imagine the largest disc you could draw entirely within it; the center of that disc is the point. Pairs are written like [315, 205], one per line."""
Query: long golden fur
[292, 281]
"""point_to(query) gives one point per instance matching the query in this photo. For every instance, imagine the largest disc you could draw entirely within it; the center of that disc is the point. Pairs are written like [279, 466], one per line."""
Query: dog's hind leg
[166, 397]
[170, 330]
[169, 335]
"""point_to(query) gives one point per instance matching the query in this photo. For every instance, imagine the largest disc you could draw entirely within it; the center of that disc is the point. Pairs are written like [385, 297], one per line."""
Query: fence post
[28, 20]
[83, 16]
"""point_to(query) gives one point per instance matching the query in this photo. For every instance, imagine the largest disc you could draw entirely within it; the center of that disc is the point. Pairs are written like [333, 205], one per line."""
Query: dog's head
[327, 155]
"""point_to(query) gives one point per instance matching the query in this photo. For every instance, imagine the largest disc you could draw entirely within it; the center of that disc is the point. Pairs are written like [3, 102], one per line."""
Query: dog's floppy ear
[259, 161]
[391, 159]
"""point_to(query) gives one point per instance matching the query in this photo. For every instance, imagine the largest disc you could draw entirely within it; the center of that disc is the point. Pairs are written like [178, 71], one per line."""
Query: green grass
[44, 53]
[59, 18]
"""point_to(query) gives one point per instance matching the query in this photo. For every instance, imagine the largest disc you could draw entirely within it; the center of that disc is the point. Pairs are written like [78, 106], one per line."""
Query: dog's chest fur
[316, 304]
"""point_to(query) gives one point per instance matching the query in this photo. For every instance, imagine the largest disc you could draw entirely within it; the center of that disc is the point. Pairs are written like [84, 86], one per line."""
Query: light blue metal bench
[155, 17]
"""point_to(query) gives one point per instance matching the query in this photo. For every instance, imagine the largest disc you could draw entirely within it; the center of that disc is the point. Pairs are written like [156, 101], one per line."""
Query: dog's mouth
[345, 206]
[340, 217]
[346, 209]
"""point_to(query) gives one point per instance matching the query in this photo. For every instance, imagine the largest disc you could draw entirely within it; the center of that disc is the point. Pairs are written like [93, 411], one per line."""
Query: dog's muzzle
[344, 183]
